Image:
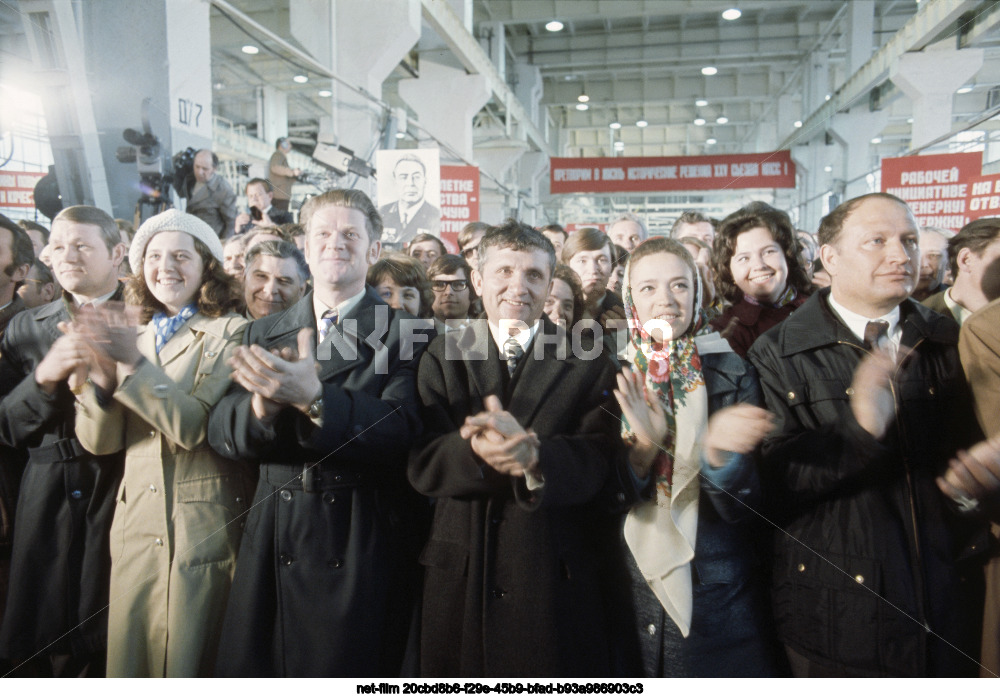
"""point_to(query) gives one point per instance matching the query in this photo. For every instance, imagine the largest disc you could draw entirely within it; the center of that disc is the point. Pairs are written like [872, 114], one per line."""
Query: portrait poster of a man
[409, 194]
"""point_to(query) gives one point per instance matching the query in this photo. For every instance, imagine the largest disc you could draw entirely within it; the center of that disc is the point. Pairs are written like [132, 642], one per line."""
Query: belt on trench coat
[57, 451]
[309, 477]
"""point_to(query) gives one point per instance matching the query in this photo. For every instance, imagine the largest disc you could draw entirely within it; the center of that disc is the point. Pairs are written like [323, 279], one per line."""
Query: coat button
[76, 494]
[329, 497]
[239, 499]
[849, 391]
[161, 391]
[499, 593]
[859, 579]
[210, 354]
[791, 395]
[338, 478]
[286, 495]
[285, 559]
[621, 497]
[931, 390]
[651, 629]
[152, 434]
[152, 488]
[802, 567]
[159, 541]
[335, 563]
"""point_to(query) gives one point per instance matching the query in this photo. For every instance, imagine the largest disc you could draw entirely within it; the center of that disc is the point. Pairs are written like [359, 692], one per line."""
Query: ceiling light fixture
[554, 26]
[582, 107]
[797, 124]
[699, 121]
[828, 168]
[731, 14]
[584, 97]
[615, 125]
[711, 141]
[722, 120]
[642, 123]
[301, 79]
[701, 103]
[709, 70]
[251, 50]
[325, 93]
[400, 135]
[827, 98]
[964, 89]
[619, 145]
[876, 140]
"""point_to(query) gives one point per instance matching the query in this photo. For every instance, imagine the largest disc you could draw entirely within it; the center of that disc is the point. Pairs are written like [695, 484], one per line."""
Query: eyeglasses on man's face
[457, 285]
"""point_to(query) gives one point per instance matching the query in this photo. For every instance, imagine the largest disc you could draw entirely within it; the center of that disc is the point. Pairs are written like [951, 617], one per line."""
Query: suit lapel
[537, 378]
[485, 372]
[285, 330]
[363, 330]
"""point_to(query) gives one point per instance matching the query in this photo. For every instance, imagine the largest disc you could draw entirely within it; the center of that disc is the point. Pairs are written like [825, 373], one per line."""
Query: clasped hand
[278, 377]
[500, 441]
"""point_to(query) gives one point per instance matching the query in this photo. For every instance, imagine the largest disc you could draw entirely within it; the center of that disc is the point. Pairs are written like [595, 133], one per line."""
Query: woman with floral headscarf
[691, 425]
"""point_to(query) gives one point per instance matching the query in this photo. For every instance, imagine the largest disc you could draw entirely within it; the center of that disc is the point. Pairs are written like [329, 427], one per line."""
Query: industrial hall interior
[600, 341]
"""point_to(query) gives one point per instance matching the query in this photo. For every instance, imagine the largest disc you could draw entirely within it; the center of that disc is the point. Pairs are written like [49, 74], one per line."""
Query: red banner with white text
[935, 186]
[694, 173]
[17, 189]
[459, 201]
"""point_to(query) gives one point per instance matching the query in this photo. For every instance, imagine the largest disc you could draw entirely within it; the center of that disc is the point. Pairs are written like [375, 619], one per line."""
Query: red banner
[17, 188]
[984, 197]
[935, 186]
[459, 201]
[695, 173]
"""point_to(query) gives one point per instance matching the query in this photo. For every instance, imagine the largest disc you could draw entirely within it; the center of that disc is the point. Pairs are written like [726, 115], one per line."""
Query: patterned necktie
[166, 327]
[328, 320]
[876, 334]
[514, 352]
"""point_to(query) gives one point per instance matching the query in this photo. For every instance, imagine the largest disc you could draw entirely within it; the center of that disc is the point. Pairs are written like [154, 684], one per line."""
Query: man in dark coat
[209, 196]
[517, 453]
[326, 581]
[56, 617]
[874, 572]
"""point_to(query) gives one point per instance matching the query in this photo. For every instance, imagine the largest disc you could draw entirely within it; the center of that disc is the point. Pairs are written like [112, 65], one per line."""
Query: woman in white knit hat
[176, 527]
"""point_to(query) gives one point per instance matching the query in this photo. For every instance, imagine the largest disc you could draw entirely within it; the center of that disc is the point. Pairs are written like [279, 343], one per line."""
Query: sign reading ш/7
[695, 173]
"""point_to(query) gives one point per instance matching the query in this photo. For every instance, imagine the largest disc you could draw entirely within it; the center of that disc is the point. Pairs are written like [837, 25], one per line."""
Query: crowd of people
[731, 448]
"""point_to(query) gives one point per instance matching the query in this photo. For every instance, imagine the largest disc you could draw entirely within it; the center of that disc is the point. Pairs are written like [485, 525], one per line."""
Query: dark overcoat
[61, 558]
[514, 578]
[326, 577]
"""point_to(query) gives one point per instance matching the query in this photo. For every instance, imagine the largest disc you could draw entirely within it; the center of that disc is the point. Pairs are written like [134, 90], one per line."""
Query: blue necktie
[328, 320]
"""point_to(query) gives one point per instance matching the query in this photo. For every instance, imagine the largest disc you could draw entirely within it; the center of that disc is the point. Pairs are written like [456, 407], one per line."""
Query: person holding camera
[260, 199]
[209, 196]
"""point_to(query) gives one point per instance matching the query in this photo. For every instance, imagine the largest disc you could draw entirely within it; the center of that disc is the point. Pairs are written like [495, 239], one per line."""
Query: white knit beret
[177, 221]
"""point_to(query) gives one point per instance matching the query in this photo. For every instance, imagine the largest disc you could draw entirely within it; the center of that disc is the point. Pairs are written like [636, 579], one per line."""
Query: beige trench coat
[177, 522]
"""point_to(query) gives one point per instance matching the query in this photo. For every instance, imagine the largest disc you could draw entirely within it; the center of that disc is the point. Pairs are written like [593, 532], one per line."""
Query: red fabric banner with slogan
[935, 186]
[17, 188]
[984, 197]
[459, 201]
[695, 173]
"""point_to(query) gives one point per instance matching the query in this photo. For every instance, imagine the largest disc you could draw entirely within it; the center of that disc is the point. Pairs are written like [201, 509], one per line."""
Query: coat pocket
[831, 605]
[207, 519]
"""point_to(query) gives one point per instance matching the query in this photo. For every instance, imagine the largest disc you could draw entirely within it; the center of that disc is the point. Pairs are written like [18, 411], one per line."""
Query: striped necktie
[328, 320]
[513, 350]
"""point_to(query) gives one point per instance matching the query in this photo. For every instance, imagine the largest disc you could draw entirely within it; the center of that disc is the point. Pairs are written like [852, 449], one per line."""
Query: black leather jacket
[874, 572]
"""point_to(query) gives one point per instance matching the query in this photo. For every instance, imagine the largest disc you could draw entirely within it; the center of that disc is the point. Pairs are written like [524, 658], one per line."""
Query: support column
[531, 167]
[929, 78]
[528, 90]
[860, 33]
[155, 49]
[819, 81]
[446, 100]
[272, 113]
[368, 41]
[811, 161]
[854, 130]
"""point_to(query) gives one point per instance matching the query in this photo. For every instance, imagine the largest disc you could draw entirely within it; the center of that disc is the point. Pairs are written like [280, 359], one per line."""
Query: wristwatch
[315, 409]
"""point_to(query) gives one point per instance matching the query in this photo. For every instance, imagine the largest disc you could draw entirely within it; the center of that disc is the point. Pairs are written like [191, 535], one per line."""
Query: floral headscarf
[670, 370]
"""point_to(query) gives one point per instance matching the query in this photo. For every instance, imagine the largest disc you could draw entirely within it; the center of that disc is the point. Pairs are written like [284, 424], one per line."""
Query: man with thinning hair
[324, 403]
[874, 572]
[517, 450]
[61, 560]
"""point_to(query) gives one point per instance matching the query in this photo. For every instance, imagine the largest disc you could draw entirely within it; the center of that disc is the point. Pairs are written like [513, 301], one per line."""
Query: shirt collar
[958, 311]
[320, 308]
[856, 323]
[523, 337]
[79, 301]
